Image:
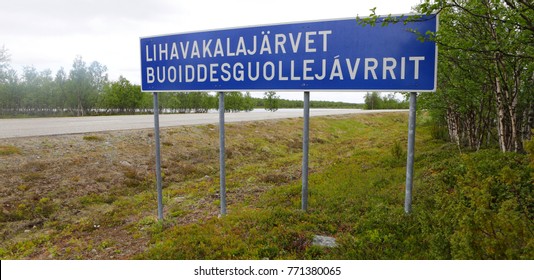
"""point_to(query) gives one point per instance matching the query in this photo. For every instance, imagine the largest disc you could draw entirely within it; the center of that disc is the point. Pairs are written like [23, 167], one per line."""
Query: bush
[479, 207]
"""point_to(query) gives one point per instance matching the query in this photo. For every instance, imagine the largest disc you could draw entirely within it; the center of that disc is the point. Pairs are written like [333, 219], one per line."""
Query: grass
[263, 181]
[356, 193]
[355, 172]
[93, 138]
[6, 150]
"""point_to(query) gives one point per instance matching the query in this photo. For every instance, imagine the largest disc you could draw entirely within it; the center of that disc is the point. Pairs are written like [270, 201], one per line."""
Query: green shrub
[480, 207]
[529, 147]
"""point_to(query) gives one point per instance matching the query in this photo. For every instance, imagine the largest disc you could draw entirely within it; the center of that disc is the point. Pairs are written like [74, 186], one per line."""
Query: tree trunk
[506, 93]
[453, 126]
[528, 122]
[80, 107]
[501, 127]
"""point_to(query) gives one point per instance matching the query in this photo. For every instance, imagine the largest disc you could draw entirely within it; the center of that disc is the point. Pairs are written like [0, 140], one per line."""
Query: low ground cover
[93, 196]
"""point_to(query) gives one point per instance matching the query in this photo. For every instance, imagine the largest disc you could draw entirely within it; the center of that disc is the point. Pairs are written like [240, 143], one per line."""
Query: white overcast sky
[49, 34]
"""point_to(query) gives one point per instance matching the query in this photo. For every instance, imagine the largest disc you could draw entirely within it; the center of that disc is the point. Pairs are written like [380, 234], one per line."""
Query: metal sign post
[328, 55]
[158, 157]
[305, 150]
[222, 175]
[410, 155]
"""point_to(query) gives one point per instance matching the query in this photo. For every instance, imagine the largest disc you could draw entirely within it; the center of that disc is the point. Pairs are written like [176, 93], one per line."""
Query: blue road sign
[332, 55]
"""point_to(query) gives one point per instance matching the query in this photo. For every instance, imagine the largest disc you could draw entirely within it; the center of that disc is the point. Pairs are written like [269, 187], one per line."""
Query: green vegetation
[470, 206]
[485, 95]
[473, 182]
[272, 102]
[284, 103]
[235, 101]
[8, 150]
[482, 206]
[476, 205]
[93, 138]
[86, 90]
[374, 101]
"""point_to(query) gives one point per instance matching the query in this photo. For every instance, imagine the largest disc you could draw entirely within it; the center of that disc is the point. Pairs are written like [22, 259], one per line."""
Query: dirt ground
[43, 182]
[64, 197]
[92, 196]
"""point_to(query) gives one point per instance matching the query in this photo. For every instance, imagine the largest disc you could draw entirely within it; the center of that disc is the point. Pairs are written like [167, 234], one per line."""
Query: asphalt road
[11, 128]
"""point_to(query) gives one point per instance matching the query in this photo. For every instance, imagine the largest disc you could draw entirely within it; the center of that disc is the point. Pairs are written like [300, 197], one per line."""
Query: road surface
[11, 128]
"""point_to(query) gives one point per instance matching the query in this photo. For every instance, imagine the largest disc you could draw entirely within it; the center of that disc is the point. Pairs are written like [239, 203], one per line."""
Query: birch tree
[486, 59]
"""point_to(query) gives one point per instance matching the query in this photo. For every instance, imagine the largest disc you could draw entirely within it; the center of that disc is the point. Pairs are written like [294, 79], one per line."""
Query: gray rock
[324, 241]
